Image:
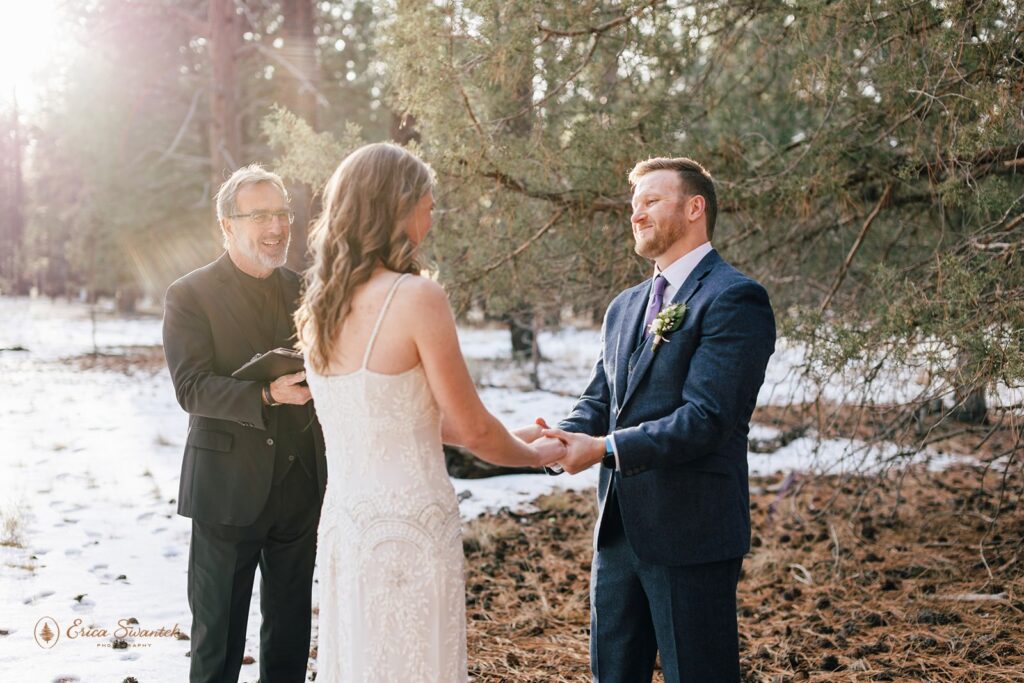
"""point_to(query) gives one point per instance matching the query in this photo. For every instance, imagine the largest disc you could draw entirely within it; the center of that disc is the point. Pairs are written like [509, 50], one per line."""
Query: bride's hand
[548, 451]
[532, 432]
[529, 433]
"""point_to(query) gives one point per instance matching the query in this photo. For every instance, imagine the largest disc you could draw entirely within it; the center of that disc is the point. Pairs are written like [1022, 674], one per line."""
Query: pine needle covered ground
[841, 585]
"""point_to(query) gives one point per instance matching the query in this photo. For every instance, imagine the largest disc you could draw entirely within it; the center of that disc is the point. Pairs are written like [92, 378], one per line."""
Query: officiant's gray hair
[227, 195]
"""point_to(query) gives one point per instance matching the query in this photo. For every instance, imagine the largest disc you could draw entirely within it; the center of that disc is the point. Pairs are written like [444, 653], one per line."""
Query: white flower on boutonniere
[668, 320]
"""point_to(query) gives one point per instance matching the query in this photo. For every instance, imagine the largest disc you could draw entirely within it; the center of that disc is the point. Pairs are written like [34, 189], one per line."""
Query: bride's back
[394, 349]
[381, 424]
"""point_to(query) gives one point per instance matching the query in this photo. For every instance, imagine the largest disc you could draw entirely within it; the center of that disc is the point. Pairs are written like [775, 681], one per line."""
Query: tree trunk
[299, 82]
[522, 318]
[127, 300]
[225, 134]
[971, 405]
[520, 327]
[12, 199]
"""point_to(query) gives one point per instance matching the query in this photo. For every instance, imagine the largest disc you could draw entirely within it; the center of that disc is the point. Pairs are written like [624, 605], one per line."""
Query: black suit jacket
[680, 415]
[208, 331]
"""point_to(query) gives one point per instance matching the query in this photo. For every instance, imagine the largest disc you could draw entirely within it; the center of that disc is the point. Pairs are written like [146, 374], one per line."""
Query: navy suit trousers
[638, 609]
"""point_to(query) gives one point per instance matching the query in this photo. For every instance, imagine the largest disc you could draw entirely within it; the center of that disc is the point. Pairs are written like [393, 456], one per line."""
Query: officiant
[253, 473]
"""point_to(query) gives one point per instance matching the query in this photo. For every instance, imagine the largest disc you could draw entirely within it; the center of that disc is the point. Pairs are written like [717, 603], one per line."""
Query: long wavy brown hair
[366, 203]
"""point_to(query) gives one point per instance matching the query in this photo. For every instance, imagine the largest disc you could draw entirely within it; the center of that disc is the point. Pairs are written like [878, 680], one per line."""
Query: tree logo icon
[47, 632]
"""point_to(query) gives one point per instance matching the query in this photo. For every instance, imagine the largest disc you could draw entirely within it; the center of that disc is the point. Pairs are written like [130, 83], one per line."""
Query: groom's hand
[286, 389]
[549, 451]
[582, 450]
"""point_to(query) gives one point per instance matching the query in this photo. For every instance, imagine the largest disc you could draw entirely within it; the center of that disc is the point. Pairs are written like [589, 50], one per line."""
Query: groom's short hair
[693, 178]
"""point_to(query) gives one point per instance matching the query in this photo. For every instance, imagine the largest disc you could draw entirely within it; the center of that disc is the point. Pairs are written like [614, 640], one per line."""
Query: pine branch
[522, 247]
[856, 247]
[602, 28]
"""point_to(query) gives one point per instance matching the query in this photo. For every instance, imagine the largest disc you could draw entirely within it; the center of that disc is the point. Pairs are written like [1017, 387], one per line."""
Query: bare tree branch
[522, 247]
[554, 91]
[294, 71]
[856, 247]
[607, 26]
[184, 125]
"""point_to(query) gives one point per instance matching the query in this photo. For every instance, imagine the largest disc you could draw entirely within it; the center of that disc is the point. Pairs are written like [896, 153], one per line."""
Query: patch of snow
[843, 456]
[51, 329]
[515, 491]
[760, 432]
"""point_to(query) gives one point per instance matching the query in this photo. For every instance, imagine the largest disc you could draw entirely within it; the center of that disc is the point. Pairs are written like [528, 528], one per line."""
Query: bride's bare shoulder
[423, 289]
[422, 297]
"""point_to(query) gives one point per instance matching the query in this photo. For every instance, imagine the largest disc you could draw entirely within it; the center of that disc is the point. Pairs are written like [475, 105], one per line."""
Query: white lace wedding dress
[392, 587]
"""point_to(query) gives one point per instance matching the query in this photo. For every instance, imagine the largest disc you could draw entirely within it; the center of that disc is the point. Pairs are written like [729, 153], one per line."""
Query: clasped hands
[570, 451]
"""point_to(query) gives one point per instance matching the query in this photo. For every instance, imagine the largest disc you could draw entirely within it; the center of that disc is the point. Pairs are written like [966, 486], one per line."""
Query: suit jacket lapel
[685, 293]
[231, 302]
[629, 330]
[290, 295]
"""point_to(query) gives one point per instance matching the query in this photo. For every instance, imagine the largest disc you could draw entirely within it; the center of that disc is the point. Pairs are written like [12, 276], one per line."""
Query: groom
[666, 414]
[254, 472]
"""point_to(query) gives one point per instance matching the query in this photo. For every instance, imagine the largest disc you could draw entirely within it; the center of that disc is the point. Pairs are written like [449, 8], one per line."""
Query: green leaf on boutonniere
[668, 320]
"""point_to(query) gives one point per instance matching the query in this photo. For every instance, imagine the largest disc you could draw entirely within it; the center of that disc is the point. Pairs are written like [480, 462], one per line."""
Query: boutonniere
[668, 320]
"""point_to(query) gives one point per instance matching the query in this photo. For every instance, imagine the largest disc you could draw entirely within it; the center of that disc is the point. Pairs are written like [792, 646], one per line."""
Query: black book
[266, 367]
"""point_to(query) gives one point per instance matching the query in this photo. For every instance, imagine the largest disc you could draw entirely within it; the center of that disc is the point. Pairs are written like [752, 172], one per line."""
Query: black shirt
[263, 295]
[294, 434]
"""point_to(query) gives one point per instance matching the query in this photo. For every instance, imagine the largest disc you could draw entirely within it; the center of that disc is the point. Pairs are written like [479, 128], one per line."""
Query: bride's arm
[466, 421]
[527, 434]
[450, 434]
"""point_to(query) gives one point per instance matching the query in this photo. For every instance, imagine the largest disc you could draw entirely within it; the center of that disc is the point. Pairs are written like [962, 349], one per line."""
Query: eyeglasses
[264, 217]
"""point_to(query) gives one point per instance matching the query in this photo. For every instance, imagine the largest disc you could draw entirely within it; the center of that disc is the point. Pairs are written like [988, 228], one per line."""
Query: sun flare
[29, 35]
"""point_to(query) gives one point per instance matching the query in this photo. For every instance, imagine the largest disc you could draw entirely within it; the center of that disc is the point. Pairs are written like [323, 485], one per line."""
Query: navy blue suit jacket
[680, 415]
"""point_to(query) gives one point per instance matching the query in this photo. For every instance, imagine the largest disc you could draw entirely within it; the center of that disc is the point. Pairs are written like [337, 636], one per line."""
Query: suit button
[291, 457]
[270, 442]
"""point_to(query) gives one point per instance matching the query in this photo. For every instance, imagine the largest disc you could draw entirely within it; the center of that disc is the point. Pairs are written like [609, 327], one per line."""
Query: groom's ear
[696, 206]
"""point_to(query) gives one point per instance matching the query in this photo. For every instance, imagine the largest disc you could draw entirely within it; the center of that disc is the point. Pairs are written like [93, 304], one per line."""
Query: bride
[390, 385]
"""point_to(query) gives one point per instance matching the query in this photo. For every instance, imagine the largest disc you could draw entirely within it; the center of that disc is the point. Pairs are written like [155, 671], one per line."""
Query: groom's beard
[657, 240]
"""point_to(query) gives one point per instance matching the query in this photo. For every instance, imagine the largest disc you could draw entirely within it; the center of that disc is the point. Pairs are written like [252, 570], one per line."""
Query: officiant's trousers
[639, 609]
[221, 571]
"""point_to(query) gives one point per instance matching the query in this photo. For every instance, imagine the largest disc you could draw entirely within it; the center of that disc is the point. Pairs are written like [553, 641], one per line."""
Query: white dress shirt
[676, 275]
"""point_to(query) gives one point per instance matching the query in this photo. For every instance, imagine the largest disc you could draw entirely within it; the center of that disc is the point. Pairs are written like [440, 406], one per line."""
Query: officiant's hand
[583, 450]
[286, 389]
[549, 451]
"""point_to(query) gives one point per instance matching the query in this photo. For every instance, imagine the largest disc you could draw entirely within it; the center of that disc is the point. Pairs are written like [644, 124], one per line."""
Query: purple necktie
[654, 307]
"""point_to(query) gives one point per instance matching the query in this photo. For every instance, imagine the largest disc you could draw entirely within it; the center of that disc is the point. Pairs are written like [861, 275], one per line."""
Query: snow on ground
[842, 456]
[790, 378]
[514, 491]
[56, 329]
[89, 462]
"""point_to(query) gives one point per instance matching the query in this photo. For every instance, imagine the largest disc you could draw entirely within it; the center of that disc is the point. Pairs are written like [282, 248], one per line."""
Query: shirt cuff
[615, 449]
